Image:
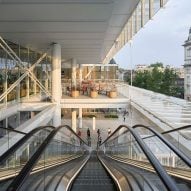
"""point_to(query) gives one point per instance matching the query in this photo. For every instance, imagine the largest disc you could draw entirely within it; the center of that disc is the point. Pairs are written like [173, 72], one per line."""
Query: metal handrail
[12, 149]
[164, 132]
[21, 177]
[170, 145]
[177, 129]
[166, 179]
[171, 131]
[13, 130]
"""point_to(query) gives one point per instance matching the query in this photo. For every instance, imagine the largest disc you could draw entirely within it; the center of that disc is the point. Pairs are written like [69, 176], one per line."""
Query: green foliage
[88, 116]
[111, 116]
[127, 79]
[157, 80]
[157, 64]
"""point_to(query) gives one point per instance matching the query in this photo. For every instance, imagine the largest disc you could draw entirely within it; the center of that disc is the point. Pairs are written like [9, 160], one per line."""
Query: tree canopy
[157, 80]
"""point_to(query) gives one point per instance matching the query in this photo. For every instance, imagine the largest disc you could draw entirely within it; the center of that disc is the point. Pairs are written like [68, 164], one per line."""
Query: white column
[80, 73]
[5, 85]
[80, 118]
[27, 87]
[93, 123]
[56, 73]
[46, 84]
[74, 65]
[34, 83]
[56, 82]
[32, 114]
[74, 120]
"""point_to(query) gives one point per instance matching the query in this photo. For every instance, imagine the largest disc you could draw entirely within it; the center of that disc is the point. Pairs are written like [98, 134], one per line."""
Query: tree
[157, 80]
[157, 64]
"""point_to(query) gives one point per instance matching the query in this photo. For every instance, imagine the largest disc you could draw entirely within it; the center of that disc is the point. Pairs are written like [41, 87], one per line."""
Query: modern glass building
[66, 121]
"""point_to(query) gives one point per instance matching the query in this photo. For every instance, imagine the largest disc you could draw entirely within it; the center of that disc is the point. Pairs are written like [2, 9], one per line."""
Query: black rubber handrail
[166, 142]
[13, 130]
[23, 174]
[176, 129]
[166, 179]
[173, 130]
[12, 149]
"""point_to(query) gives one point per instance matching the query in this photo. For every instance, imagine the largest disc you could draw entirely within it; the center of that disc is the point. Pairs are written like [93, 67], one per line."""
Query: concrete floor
[133, 118]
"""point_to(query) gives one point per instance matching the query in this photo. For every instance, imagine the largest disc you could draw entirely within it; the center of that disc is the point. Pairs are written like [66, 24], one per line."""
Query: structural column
[80, 118]
[74, 65]
[5, 86]
[80, 73]
[74, 120]
[32, 114]
[27, 87]
[56, 82]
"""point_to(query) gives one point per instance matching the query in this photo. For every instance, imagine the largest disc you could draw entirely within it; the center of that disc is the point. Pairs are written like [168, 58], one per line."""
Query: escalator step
[93, 177]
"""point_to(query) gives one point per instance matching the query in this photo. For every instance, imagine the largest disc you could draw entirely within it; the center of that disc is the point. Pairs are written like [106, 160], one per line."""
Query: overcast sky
[161, 39]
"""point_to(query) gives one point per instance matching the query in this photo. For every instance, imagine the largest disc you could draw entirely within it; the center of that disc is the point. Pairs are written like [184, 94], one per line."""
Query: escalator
[62, 161]
[93, 177]
[57, 154]
[120, 151]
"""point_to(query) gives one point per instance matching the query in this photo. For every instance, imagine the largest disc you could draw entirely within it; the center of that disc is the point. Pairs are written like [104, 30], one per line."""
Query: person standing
[98, 133]
[100, 140]
[88, 137]
[109, 132]
[79, 133]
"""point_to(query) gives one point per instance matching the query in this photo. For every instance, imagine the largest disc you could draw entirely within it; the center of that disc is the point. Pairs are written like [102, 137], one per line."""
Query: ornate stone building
[187, 67]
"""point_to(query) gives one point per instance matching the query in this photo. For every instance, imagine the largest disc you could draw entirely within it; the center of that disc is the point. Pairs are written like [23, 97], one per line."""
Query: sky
[161, 39]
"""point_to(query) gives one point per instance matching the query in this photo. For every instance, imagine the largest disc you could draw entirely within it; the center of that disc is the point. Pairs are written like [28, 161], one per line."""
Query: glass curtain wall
[11, 71]
[144, 11]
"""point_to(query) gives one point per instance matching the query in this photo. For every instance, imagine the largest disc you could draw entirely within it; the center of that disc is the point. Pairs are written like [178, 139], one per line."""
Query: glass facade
[144, 11]
[12, 71]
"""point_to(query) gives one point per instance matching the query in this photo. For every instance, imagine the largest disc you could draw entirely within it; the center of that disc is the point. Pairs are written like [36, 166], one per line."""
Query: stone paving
[133, 118]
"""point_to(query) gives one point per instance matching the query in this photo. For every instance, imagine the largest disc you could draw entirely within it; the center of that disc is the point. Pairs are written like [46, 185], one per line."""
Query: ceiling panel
[86, 29]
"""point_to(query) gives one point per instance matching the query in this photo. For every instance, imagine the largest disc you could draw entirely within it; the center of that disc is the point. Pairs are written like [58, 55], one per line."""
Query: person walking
[100, 140]
[79, 134]
[88, 137]
[98, 133]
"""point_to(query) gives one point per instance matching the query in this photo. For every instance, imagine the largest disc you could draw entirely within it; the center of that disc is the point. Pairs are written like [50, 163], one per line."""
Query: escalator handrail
[21, 177]
[165, 178]
[27, 136]
[13, 130]
[176, 129]
[167, 143]
[171, 131]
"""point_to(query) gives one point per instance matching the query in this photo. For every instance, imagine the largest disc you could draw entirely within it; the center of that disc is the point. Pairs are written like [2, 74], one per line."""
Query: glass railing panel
[167, 157]
[122, 146]
[8, 137]
[14, 163]
[181, 138]
[52, 165]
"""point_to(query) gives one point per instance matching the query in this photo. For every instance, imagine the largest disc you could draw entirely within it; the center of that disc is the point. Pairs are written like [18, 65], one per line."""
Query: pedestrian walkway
[103, 125]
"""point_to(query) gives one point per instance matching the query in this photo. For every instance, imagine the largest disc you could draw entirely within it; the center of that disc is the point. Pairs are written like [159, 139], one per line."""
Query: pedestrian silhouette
[98, 133]
[109, 131]
[88, 137]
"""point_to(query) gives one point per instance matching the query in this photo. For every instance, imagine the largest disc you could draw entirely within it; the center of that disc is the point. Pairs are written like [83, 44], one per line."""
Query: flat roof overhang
[91, 31]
